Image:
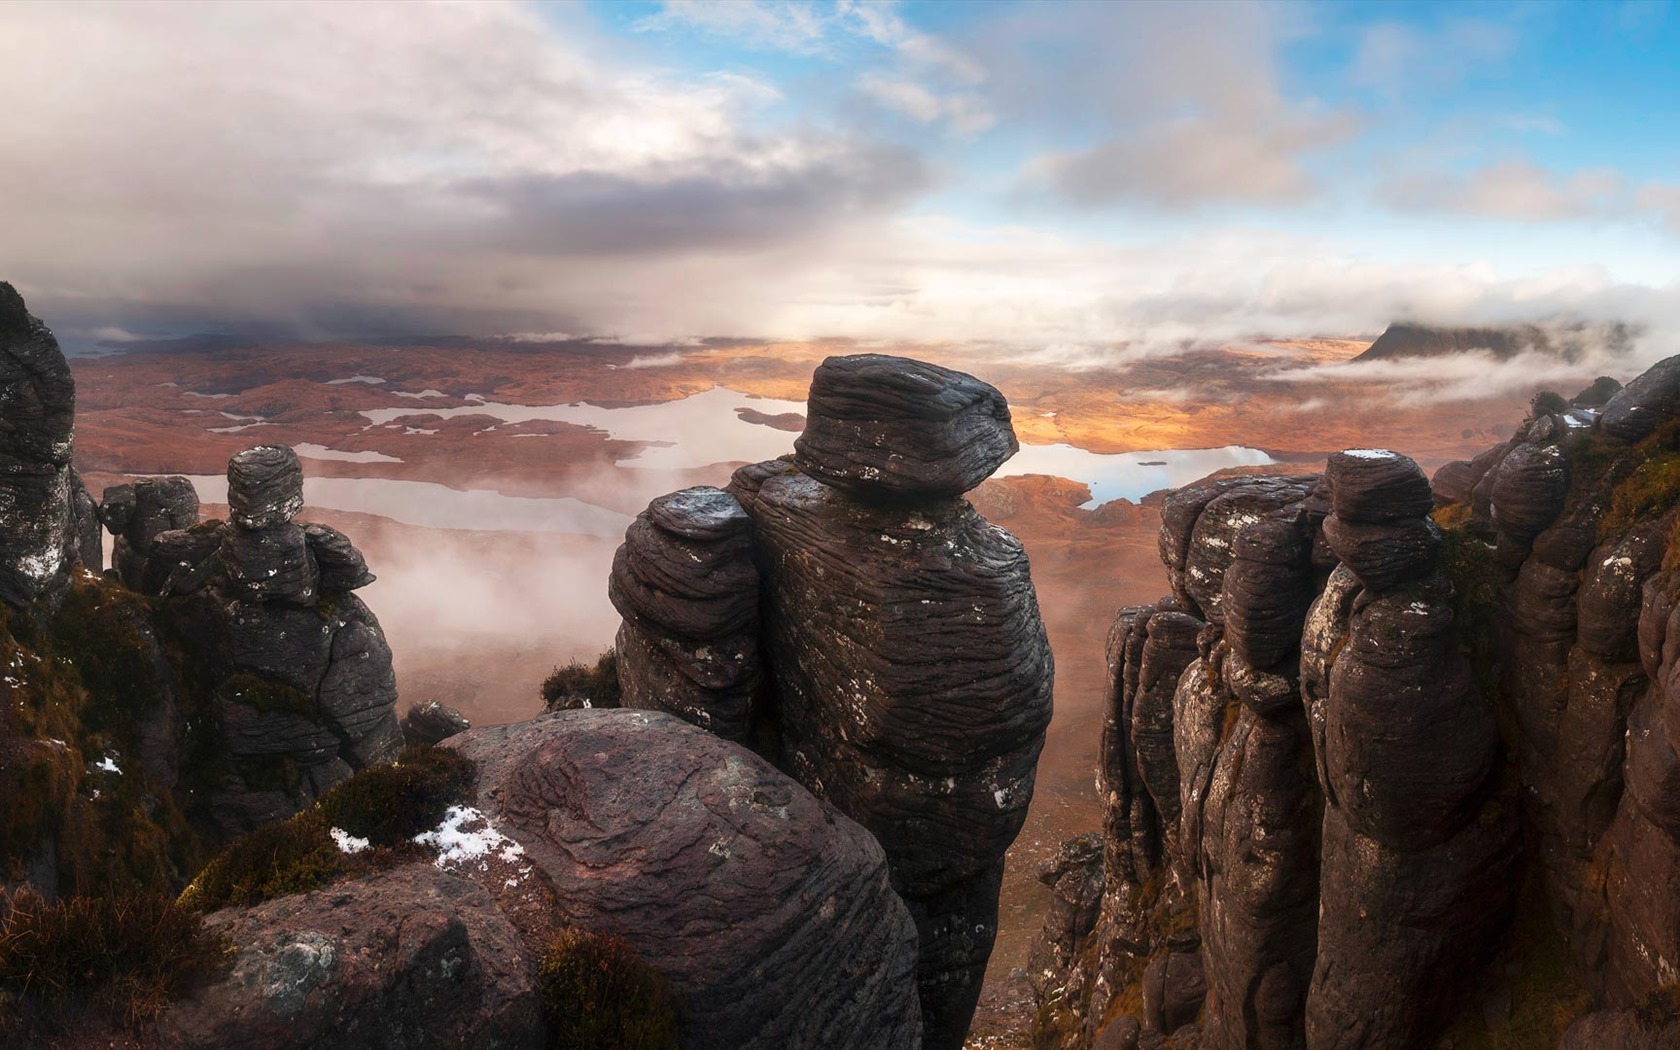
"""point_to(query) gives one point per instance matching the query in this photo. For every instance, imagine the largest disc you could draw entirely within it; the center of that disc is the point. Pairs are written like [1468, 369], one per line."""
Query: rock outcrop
[43, 504]
[687, 587]
[303, 690]
[905, 673]
[408, 958]
[1486, 665]
[770, 913]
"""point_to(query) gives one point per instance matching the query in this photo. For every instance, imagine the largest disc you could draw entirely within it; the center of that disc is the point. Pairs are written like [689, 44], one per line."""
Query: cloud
[1187, 162]
[1398, 59]
[355, 168]
[790, 25]
[1513, 189]
[1188, 110]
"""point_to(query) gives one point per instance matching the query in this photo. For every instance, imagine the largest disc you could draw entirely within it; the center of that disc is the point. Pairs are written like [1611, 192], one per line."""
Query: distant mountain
[1568, 341]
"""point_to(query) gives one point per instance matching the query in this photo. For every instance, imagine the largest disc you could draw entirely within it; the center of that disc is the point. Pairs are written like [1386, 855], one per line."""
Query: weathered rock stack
[1418, 844]
[137, 514]
[46, 515]
[304, 692]
[686, 585]
[909, 673]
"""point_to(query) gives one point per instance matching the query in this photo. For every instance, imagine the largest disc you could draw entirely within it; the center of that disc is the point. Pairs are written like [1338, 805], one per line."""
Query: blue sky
[1094, 174]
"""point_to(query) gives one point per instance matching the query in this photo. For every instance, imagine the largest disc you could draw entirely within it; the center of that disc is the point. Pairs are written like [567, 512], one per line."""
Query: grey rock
[265, 486]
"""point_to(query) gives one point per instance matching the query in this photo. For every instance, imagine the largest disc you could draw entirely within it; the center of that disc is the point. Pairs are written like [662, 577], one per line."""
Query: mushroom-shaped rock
[265, 486]
[889, 428]
[770, 912]
[404, 958]
[39, 536]
[685, 583]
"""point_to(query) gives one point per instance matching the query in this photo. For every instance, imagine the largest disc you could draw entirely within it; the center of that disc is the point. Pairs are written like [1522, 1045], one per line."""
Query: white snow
[107, 765]
[468, 835]
[346, 842]
[1368, 453]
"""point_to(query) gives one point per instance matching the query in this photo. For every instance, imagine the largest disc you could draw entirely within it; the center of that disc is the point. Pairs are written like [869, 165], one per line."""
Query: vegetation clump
[579, 685]
[600, 995]
[376, 815]
[1547, 403]
[129, 956]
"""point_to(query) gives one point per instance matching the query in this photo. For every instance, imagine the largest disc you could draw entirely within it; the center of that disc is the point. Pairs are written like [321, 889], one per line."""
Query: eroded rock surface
[408, 958]
[687, 587]
[770, 912]
[40, 495]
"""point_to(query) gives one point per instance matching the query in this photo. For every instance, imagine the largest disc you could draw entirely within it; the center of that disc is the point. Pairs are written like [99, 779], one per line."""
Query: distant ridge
[1567, 341]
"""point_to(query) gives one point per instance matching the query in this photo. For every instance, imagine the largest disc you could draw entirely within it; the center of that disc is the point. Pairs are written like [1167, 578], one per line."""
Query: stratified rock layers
[913, 682]
[770, 912]
[40, 495]
[687, 587]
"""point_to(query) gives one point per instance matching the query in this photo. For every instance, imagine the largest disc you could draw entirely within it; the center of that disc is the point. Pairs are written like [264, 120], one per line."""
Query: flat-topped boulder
[1645, 404]
[1376, 485]
[265, 486]
[890, 428]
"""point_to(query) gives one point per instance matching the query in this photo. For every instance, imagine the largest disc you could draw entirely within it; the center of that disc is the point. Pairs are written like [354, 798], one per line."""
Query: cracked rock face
[137, 515]
[889, 428]
[410, 958]
[687, 587]
[770, 912]
[40, 527]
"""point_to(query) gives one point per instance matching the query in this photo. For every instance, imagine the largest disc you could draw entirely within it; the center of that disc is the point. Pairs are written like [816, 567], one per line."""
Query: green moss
[1547, 403]
[1651, 490]
[269, 696]
[600, 995]
[387, 805]
[129, 956]
[579, 685]
[391, 804]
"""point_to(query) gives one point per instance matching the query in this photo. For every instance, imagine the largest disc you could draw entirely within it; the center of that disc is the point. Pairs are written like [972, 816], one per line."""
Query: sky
[1053, 177]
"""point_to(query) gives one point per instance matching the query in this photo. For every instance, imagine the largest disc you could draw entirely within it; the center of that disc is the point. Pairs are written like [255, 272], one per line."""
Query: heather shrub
[600, 995]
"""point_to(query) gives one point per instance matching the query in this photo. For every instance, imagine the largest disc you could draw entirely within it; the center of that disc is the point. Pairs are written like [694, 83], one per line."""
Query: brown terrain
[477, 616]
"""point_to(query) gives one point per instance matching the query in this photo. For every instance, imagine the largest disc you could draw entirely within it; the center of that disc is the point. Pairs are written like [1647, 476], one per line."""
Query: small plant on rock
[130, 955]
[600, 995]
[578, 685]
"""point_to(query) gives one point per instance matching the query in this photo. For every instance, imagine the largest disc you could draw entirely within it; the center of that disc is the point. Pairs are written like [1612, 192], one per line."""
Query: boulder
[341, 566]
[889, 428]
[137, 514]
[1373, 485]
[1638, 409]
[431, 723]
[770, 913]
[407, 958]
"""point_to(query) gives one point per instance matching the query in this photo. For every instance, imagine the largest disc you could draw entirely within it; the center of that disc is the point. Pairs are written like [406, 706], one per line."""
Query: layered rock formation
[44, 508]
[414, 957]
[686, 585]
[1347, 839]
[770, 912]
[908, 674]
